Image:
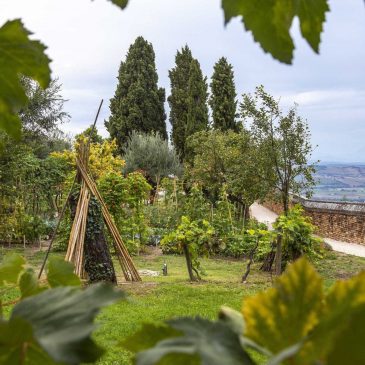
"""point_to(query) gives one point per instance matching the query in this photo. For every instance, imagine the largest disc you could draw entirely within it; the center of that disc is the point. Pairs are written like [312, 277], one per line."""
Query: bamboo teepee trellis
[75, 250]
[76, 246]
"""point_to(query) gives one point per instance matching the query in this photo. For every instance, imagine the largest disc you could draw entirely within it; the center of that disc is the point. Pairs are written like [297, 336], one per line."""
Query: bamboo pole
[129, 270]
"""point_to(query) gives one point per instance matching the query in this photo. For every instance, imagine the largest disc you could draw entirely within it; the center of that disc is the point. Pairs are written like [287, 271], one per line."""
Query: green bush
[297, 233]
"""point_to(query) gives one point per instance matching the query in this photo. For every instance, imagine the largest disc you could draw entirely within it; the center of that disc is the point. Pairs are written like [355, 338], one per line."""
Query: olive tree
[152, 154]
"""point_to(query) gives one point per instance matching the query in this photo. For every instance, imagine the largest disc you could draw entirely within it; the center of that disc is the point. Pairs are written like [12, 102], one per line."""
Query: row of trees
[32, 181]
[138, 103]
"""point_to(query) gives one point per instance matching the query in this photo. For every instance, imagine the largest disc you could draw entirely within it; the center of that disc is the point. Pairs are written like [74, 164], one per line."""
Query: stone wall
[342, 221]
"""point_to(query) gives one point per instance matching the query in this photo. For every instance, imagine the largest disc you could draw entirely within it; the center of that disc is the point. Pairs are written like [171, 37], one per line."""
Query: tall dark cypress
[138, 102]
[178, 100]
[223, 97]
[197, 117]
[188, 99]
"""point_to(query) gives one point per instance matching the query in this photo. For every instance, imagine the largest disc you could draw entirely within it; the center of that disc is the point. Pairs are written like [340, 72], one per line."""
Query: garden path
[264, 215]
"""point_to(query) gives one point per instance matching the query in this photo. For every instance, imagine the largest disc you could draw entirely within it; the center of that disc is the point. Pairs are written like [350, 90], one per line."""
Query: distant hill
[340, 182]
[341, 176]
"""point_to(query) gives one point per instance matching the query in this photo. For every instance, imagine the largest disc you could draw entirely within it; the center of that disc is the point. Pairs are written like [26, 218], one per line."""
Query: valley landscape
[340, 182]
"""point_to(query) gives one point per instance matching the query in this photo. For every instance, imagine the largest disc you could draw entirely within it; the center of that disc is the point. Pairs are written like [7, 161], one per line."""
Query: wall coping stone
[352, 208]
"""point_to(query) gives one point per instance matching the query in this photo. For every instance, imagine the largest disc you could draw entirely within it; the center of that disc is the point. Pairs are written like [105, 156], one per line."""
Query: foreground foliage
[50, 323]
[18, 56]
[294, 322]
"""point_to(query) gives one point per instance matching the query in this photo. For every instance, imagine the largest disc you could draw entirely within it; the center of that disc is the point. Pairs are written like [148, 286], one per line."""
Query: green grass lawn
[164, 297]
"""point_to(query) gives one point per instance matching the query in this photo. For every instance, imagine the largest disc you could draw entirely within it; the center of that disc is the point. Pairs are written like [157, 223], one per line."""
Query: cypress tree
[223, 97]
[138, 102]
[197, 116]
[179, 80]
[188, 99]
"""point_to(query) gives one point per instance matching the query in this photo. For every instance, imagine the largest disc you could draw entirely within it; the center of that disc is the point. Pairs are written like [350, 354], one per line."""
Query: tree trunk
[189, 263]
[248, 269]
[269, 261]
[279, 254]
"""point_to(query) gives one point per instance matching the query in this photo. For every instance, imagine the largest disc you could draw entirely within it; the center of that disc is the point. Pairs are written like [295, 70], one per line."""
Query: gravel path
[265, 215]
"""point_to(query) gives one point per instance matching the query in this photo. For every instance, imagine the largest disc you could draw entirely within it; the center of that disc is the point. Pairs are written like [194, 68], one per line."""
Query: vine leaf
[62, 320]
[282, 316]
[60, 273]
[194, 341]
[28, 284]
[11, 265]
[270, 22]
[18, 56]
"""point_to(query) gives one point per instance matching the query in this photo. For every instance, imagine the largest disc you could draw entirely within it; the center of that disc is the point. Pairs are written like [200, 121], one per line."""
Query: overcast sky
[87, 40]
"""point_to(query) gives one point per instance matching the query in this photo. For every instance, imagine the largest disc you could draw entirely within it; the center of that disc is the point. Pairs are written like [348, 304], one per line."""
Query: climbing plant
[193, 239]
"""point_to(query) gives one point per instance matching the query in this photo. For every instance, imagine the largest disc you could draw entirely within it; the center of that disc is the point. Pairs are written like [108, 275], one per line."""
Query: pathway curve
[268, 217]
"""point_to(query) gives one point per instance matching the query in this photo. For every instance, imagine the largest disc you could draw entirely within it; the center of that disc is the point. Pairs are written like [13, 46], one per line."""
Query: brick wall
[343, 221]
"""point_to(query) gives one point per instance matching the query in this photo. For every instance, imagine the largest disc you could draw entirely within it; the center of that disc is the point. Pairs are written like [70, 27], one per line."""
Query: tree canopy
[188, 99]
[138, 102]
[223, 96]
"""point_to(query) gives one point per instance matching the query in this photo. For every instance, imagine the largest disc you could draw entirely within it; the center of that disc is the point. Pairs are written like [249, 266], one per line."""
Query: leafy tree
[151, 154]
[226, 159]
[102, 158]
[223, 96]
[44, 109]
[41, 117]
[138, 102]
[285, 149]
[188, 99]
[284, 142]
[92, 133]
[192, 238]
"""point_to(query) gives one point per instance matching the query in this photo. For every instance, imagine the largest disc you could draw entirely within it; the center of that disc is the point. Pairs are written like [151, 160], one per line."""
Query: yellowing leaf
[283, 315]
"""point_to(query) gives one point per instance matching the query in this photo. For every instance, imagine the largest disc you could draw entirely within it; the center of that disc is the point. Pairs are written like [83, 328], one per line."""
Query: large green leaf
[11, 266]
[18, 56]
[62, 320]
[282, 316]
[213, 342]
[270, 22]
[60, 273]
